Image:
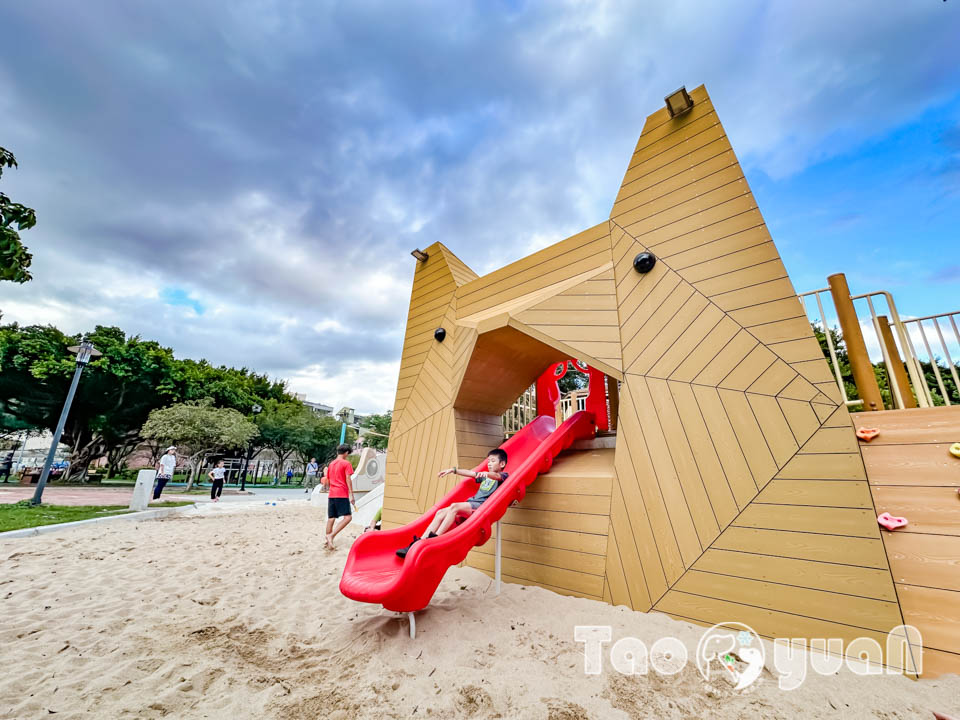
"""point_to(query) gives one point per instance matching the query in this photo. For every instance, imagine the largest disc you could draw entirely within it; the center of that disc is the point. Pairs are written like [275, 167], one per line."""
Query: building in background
[318, 408]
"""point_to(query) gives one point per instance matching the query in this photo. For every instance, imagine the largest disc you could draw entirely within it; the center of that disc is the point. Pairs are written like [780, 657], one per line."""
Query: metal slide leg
[496, 566]
[413, 626]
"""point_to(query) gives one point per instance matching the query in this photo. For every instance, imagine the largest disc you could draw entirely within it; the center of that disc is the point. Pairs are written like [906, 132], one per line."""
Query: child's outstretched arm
[458, 471]
[471, 473]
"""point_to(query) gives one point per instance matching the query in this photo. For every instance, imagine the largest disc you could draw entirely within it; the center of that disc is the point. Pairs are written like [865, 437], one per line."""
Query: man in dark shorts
[341, 496]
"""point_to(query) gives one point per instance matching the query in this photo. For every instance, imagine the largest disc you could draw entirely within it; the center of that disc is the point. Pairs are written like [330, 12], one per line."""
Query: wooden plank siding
[736, 489]
[557, 536]
[911, 474]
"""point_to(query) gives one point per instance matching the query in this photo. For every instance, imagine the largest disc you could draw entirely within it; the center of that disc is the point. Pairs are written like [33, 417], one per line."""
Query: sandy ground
[236, 614]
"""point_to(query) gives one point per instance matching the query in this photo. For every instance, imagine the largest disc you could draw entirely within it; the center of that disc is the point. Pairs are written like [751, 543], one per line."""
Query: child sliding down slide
[489, 481]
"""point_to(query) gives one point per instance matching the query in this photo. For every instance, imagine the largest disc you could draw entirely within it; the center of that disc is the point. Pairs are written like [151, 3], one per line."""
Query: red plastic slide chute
[375, 574]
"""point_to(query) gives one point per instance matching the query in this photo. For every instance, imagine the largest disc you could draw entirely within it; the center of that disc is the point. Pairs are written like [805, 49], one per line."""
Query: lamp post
[246, 463]
[85, 352]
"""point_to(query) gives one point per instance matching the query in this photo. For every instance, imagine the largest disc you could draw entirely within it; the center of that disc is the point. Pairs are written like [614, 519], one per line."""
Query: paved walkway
[97, 495]
[80, 495]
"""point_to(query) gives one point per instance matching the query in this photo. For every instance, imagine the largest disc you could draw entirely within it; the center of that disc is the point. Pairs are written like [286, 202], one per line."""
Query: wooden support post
[613, 397]
[897, 369]
[497, 559]
[863, 375]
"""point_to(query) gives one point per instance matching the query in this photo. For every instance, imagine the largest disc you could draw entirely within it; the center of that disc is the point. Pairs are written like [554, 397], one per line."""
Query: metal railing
[953, 318]
[834, 363]
[902, 343]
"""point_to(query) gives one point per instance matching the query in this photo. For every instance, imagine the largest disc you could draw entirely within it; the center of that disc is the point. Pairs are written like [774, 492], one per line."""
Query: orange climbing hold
[867, 434]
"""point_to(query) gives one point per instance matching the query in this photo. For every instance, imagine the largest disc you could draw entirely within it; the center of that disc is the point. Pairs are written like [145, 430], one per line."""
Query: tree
[116, 393]
[201, 428]
[227, 387]
[284, 427]
[379, 424]
[322, 439]
[14, 258]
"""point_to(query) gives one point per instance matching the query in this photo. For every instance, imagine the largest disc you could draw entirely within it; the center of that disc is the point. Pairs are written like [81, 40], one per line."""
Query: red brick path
[53, 495]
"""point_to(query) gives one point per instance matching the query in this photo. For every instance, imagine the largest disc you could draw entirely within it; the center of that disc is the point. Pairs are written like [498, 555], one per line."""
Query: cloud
[274, 162]
[948, 274]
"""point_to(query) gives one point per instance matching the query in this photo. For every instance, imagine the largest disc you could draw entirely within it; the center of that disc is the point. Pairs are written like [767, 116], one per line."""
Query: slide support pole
[496, 571]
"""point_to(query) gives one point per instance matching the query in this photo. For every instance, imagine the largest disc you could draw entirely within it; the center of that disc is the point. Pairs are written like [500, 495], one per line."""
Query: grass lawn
[16, 516]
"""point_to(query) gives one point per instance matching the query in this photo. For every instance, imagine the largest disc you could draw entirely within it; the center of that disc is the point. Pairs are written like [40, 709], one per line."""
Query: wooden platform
[912, 474]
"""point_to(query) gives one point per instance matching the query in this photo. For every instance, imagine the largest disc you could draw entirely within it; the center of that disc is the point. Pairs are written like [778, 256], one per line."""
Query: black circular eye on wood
[644, 262]
[439, 334]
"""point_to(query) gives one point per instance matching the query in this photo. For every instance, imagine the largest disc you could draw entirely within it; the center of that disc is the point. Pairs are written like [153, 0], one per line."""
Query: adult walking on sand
[165, 468]
[341, 496]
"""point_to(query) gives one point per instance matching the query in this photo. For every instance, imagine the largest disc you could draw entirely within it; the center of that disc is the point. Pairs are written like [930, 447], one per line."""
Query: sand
[235, 613]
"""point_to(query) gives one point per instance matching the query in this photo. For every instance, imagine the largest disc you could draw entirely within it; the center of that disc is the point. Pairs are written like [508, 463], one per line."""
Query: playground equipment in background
[371, 470]
[736, 488]
[374, 574]
[367, 506]
[548, 391]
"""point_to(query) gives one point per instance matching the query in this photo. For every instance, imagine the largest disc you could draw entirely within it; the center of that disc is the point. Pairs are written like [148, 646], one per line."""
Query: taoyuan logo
[734, 649]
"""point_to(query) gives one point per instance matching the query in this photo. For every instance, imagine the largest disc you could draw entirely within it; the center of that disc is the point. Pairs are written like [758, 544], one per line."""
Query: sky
[244, 181]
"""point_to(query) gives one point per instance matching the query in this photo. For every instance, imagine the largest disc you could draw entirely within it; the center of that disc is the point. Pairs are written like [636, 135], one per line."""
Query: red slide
[375, 574]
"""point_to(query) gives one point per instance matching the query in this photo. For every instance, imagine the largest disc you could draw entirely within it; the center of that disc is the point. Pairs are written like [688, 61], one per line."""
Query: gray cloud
[264, 157]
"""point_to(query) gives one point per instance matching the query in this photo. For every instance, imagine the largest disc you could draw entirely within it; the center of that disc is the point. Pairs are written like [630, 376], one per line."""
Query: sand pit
[237, 615]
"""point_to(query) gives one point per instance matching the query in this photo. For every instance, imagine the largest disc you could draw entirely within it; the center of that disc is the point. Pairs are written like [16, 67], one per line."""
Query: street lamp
[85, 352]
[246, 463]
[342, 417]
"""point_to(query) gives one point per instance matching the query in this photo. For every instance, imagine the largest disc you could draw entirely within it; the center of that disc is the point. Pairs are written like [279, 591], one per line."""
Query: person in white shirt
[216, 478]
[165, 468]
[310, 480]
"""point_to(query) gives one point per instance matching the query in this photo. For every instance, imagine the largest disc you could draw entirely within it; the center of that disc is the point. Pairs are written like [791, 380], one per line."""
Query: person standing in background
[5, 465]
[165, 468]
[216, 478]
[310, 480]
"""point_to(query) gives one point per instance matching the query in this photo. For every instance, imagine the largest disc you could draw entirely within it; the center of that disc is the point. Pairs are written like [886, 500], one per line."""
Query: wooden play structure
[735, 489]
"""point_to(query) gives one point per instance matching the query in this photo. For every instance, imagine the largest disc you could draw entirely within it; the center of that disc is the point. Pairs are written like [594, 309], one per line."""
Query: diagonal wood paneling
[736, 489]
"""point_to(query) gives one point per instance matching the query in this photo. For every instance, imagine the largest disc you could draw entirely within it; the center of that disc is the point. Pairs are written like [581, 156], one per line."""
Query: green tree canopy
[199, 429]
[117, 391]
[14, 258]
[322, 439]
[379, 424]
